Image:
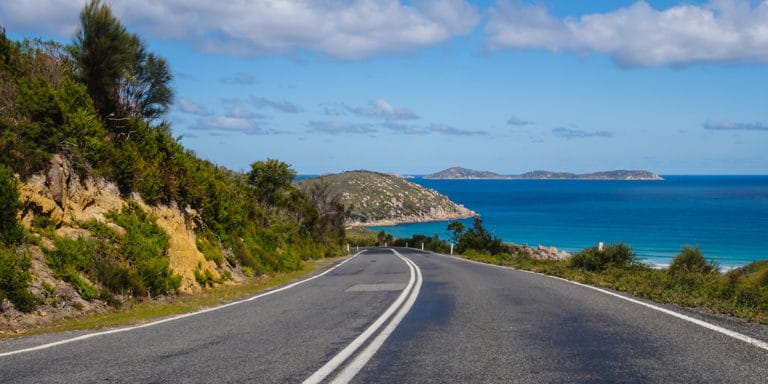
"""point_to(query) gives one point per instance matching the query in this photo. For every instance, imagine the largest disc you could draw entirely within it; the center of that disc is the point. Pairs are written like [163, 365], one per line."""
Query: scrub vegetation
[690, 280]
[99, 104]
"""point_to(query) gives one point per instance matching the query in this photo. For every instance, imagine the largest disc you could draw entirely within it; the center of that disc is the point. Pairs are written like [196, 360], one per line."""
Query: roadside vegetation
[99, 104]
[690, 280]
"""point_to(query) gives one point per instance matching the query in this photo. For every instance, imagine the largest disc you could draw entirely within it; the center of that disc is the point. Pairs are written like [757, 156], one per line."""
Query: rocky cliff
[67, 201]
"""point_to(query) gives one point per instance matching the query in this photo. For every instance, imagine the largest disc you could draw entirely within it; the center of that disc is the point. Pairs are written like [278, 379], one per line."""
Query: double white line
[402, 305]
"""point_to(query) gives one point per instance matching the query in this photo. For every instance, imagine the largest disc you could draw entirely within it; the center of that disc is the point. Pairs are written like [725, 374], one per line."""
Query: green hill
[381, 199]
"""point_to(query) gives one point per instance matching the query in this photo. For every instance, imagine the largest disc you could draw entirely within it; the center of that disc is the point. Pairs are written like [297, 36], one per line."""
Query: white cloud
[230, 124]
[382, 109]
[724, 31]
[347, 29]
[187, 106]
[733, 126]
[280, 105]
[341, 127]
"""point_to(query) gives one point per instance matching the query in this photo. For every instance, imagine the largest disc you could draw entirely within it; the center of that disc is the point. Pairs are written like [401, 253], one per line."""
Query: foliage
[15, 278]
[269, 179]
[432, 243]
[690, 281]
[612, 256]
[476, 238]
[69, 259]
[10, 231]
[122, 78]
[691, 260]
[144, 247]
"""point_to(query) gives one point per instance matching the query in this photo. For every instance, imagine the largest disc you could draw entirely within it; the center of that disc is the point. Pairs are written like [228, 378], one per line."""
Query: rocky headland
[458, 173]
[380, 199]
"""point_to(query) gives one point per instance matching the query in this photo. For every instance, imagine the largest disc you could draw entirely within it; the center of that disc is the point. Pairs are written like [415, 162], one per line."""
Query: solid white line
[119, 330]
[350, 349]
[725, 331]
[363, 357]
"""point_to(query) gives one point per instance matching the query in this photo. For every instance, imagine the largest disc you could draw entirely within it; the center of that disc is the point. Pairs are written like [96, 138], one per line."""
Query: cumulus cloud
[341, 127]
[732, 126]
[382, 109]
[518, 122]
[574, 133]
[280, 105]
[723, 31]
[239, 78]
[187, 106]
[346, 29]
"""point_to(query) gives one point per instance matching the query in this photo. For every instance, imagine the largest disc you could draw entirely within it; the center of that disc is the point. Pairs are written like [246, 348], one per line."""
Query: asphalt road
[377, 318]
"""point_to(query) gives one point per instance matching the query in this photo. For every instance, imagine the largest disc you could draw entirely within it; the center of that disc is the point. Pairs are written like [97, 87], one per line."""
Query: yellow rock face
[61, 196]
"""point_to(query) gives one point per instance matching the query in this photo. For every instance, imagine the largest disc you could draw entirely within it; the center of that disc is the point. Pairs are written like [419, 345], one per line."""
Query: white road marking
[725, 331]
[363, 357]
[414, 285]
[119, 330]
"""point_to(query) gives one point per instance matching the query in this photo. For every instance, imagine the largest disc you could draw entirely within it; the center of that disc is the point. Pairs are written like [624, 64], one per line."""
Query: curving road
[405, 316]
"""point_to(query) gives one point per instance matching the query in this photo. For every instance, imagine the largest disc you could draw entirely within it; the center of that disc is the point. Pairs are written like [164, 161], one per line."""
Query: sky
[414, 87]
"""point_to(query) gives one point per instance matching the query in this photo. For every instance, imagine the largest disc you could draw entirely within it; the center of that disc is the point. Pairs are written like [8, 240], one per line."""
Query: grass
[146, 311]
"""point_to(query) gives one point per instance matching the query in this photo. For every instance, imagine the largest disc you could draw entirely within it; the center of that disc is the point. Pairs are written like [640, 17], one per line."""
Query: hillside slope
[381, 199]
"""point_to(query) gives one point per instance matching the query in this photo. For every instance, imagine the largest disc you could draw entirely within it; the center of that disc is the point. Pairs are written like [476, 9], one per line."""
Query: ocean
[725, 216]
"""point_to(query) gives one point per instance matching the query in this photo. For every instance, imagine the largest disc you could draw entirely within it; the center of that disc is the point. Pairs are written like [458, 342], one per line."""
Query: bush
[70, 258]
[612, 256]
[691, 260]
[10, 231]
[14, 279]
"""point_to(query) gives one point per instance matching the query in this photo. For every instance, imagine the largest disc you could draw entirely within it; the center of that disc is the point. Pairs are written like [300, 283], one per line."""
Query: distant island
[380, 199]
[459, 173]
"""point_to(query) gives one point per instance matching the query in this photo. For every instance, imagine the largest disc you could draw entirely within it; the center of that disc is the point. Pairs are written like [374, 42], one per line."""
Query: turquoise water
[726, 216]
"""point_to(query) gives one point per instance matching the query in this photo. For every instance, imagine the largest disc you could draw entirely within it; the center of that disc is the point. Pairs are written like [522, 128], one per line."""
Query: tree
[145, 92]
[268, 179]
[103, 50]
[457, 227]
[123, 79]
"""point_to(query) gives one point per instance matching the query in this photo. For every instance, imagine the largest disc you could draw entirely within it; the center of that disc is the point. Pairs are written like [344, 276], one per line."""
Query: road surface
[405, 316]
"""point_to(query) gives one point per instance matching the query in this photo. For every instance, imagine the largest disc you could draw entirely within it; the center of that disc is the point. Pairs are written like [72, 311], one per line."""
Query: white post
[385, 244]
[422, 246]
[451, 248]
[347, 247]
[406, 244]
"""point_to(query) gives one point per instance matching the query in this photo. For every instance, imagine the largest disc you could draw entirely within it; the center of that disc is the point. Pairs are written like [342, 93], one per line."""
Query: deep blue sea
[726, 216]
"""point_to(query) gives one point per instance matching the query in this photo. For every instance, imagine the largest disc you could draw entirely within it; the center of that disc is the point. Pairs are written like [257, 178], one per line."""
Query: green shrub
[10, 231]
[691, 260]
[14, 279]
[71, 258]
[612, 256]
[145, 247]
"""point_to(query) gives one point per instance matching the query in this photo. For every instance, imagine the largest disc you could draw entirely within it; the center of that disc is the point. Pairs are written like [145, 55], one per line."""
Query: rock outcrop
[66, 200]
[545, 253]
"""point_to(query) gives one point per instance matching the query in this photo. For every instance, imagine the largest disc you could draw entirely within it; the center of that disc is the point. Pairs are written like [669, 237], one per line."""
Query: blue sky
[414, 87]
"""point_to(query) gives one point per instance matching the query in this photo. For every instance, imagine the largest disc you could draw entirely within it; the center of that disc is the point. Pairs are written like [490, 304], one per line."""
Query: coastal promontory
[382, 199]
[459, 173]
